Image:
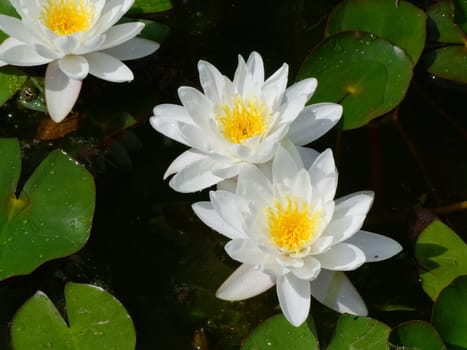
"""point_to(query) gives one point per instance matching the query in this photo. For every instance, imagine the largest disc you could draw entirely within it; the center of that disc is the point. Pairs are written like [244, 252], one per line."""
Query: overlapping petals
[98, 48]
[236, 122]
[287, 230]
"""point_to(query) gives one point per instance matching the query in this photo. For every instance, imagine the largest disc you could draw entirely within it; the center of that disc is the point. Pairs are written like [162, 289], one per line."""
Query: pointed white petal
[253, 185]
[308, 156]
[16, 53]
[245, 282]
[310, 269]
[323, 175]
[14, 28]
[245, 251]
[61, 92]
[275, 85]
[121, 33]
[284, 167]
[212, 81]
[256, 67]
[334, 290]
[66, 44]
[304, 87]
[342, 257]
[183, 160]
[166, 121]
[228, 206]
[294, 298]
[199, 107]
[376, 247]
[75, 67]
[195, 177]
[108, 68]
[313, 122]
[132, 49]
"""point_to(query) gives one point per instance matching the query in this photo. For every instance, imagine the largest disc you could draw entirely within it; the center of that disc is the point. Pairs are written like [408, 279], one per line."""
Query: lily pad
[441, 257]
[416, 335]
[403, 24]
[367, 75]
[460, 13]
[149, 6]
[277, 333]
[441, 26]
[449, 314]
[448, 62]
[11, 80]
[96, 321]
[359, 333]
[52, 216]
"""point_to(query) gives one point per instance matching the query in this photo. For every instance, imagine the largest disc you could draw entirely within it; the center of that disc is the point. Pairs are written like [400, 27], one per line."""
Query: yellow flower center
[292, 224]
[242, 121]
[67, 17]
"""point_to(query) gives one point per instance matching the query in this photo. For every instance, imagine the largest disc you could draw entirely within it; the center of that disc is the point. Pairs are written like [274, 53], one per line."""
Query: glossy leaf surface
[416, 335]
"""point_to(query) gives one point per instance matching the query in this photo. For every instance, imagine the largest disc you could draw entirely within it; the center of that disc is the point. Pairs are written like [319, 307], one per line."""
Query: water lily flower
[288, 230]
[75, 38]
[238, 122]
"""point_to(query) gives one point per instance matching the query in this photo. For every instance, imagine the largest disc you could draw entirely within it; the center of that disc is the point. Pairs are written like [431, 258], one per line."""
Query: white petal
[323, 175]
[313, 122]
[334, 290]
[294, 298]
[90, 45]
[16, 53]
[61, 92]
[275, 85]
[75, 67]
[199, 107]
[342, 257]
[376, 247]
[195, 177]
[243, 80]
[132, 49]
[310, 269]
[205, 211]
[112, 12]
[108, 68]
[121, 33]
[196, 137]
[245, 251]
[212, 81]
[308, 156]
[256, 67]
[14, 28]
[304, 87]
[253, 185]
[290, 110]
[166, 120]
[284, 167]
[228, 206]
[66, 44]
[245, 282]
[183, 160]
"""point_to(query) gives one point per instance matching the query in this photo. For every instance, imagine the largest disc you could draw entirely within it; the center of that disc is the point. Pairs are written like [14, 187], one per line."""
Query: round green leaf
[460, 13]
[441, 26]
[52, 216]
[97, 321]
[359, 333]
[441, 256]
[449, 314]
[416, 335]
[277, 333]
[448, 62]
[149, 6]
[11, 80]
[367, 75]
[403, 24]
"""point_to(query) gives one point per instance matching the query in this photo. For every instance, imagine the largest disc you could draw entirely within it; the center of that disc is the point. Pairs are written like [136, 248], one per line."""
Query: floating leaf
[149, 6]
[277, 333]
[96, 321]
[460, 13]
[441, 256]
[52, 216]
[403, 24]
[449, 314]
[448, 62]
[367, 75]
[441, 26]
[11, 80]
[359, 333]
[416, 335]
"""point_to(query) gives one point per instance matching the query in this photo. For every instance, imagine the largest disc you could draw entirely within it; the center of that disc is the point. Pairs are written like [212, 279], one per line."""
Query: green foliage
[441, 26]
[441, 257]
[359, 333]
[149, 6]
[403, 24]
[449, 314]
[52, 216]
[367, 75]
[416, 335]
[96, 321]
[11, 80]
[277, 333]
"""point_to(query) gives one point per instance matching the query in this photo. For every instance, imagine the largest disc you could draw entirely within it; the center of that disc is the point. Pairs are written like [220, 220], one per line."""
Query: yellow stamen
[242, 121]
[292, 224]
[67, 17]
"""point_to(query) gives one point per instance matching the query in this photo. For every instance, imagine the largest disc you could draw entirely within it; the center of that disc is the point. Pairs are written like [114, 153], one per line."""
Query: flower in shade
[287, 230]
[238, 122]
[75, 38]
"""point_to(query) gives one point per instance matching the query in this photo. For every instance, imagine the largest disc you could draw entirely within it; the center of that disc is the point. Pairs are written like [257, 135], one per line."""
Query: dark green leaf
[277, 333]
[441, 26]
[367, 75]
[448, 62]
[150, 6]
[416, 335]
[52, 216]
[403, 24]
[97, 321]
[441, 256]
[11, 80]
[359, 333]
[460, 13]
[449, 314]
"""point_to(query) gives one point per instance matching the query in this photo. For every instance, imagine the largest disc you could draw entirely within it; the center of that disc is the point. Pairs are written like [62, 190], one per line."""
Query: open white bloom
[287, 230]
[76, 38]
[238, 122]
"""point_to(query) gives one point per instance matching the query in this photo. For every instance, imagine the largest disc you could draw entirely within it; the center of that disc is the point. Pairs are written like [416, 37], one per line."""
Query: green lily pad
[460, 13]
[403, 24]
[441, 26]
[416, 335]
[448, 62]
[277, 333]
[11, 80]
[149, 6]
[441, 257]
[52, 216]
[359, 333]
[96, 321]
[449, 314]
[367, 75]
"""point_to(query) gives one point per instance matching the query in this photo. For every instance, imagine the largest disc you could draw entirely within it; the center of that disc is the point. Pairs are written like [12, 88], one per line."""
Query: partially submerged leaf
[416, 335]
[149, 6]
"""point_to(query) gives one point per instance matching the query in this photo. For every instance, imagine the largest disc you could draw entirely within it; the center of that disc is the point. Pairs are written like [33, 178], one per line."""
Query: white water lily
[75, 38]
[287, 230]
[238, 122]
